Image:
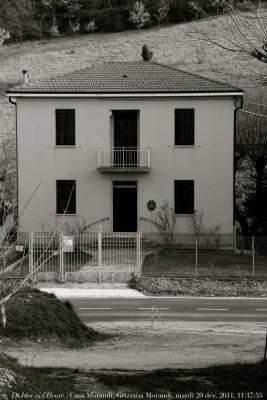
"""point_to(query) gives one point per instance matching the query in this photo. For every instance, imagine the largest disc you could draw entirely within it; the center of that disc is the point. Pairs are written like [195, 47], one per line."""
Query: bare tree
[251, 167]
[138, 15]
[165, 220]
[195, 224]
[22, 17]
[239, 32]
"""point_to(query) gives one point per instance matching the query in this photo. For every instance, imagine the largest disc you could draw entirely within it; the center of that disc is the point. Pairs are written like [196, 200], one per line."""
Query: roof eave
[126, 94]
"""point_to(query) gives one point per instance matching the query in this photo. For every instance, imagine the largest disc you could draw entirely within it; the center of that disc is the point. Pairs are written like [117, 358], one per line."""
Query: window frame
[193, 200]
[56, 128]
[194, 127]
[74, 193]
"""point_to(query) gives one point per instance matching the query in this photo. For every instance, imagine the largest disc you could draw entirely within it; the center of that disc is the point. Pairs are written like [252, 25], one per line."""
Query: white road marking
[213, 309]
[95, 308]
[150, 308]
[261, 309]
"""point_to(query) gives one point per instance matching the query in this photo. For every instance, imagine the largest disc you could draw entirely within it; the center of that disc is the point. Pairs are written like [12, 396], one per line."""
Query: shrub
[90, 27]
[146, 54]
[4, 35]
[54, 31]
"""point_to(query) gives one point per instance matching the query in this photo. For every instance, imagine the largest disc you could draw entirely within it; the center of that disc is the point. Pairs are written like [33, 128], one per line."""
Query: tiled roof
[125, 77]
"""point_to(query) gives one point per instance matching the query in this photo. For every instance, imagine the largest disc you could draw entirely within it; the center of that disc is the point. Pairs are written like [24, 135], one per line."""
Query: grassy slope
[36, 315]
[172, 45]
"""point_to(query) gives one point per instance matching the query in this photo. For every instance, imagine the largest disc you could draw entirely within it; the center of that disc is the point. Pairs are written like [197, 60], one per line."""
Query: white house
[118, 139]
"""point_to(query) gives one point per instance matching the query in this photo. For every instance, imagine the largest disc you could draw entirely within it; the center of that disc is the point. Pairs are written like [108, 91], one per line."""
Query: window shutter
[66, 197]
[184, 127]
[184, 197]
[65, 127]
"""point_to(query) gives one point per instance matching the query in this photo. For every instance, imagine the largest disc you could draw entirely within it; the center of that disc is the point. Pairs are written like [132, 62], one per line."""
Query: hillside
[171, 45]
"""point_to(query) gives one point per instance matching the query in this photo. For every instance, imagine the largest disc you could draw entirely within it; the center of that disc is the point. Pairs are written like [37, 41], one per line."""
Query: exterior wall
[209, 163]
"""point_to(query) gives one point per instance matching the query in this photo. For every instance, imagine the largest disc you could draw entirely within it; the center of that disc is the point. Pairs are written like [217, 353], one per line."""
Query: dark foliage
[146, 54]
[32, 19]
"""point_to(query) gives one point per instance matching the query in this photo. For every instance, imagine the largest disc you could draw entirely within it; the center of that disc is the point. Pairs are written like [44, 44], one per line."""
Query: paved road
[174, 309]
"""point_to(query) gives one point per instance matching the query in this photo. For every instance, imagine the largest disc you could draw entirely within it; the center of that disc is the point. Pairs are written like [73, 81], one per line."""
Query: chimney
[25, 76]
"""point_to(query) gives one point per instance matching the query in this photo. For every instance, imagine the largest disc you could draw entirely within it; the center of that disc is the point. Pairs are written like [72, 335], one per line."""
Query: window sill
[63, 147]
[66, 215]
[184, 215]
[187, 146]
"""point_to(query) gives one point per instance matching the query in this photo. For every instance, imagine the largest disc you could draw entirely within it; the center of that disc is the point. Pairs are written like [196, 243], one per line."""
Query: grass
[35, 315]
[200, 287]
[229, 378]
[32, 380]
[234, 378]
[213, 264]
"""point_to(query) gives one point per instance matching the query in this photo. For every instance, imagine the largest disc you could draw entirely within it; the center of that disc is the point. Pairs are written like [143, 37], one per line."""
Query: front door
[125, 206]
[125, 138]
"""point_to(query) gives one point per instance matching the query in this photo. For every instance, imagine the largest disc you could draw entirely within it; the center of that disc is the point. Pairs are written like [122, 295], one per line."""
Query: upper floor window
[66, 197]
[184, 127]
[184, 197]
[65, 127]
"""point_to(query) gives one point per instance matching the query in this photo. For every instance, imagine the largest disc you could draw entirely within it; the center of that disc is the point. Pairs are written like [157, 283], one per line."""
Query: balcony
[124, 159]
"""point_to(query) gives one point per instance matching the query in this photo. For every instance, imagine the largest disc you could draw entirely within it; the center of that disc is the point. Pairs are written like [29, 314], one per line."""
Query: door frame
[112, 124]
[137, 200]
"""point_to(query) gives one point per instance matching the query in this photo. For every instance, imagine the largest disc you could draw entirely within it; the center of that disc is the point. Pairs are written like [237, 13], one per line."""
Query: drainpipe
[238, 106]
[11, 101]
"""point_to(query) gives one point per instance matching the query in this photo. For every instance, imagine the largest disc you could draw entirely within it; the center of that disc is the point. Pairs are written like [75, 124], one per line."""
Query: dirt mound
[40, 316]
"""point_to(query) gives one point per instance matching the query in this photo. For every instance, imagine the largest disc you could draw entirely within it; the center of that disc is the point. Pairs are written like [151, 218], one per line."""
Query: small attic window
[125, 75]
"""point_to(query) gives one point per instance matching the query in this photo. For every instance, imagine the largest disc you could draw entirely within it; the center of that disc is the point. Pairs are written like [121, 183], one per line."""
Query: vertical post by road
[253, 256]
[196, 256]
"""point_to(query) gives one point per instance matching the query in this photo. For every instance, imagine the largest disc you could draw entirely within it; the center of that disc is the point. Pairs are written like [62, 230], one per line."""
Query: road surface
[171, 309]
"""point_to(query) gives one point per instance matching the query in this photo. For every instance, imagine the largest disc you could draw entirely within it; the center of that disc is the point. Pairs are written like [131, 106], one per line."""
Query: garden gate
[88, 256]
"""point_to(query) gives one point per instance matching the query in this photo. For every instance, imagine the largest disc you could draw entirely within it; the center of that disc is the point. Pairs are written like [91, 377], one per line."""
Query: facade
[113, 142]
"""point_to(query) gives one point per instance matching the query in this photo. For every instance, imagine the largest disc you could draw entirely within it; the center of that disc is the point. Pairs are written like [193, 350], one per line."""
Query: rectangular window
[184, 127]
[65, 127]
[184, 197]
[66, 197]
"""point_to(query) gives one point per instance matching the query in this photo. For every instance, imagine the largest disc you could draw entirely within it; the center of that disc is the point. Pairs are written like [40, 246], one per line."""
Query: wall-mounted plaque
[151, 205]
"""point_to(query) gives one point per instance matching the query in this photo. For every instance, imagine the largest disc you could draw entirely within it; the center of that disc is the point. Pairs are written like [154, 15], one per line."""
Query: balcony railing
[124, 159]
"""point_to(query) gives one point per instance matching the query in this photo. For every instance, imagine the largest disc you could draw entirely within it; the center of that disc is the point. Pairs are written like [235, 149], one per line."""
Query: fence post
[61, 258]
[196, 256]
[138, 254]
[253, 256]
[99, 241]
[31, 238]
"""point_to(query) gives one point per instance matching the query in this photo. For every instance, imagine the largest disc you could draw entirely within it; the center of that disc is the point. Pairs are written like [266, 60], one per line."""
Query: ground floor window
[184, 197]
[66, 197]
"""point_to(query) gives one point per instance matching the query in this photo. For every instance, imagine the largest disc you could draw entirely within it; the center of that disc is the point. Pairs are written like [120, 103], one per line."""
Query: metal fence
[117, 257]
[124, 157]
[89, 256]
[246, 259]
